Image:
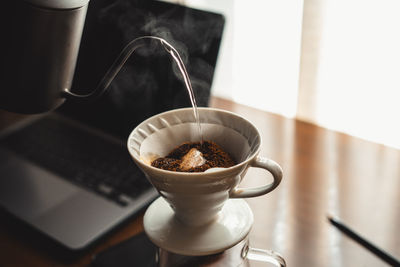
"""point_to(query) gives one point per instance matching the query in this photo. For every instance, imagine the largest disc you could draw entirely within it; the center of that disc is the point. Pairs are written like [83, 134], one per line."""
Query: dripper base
[230, 227]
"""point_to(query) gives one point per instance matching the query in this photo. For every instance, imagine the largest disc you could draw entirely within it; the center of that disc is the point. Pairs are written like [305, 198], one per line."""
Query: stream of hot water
[175, 55]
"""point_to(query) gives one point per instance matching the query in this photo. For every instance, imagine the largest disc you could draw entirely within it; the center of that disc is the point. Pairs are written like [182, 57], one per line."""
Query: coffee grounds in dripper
[194, 157]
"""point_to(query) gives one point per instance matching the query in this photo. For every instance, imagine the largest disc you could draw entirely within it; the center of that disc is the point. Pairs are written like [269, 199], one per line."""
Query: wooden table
[325, 172]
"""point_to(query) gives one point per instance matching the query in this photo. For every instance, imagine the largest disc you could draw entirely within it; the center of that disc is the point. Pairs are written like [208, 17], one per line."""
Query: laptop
[67, 173]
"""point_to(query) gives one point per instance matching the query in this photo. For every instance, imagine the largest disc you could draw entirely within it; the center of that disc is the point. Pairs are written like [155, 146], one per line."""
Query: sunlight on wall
[259, 57]
[266, 54]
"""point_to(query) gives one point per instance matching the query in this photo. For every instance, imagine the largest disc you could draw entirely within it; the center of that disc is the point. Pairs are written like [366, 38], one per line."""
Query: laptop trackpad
[29, 191]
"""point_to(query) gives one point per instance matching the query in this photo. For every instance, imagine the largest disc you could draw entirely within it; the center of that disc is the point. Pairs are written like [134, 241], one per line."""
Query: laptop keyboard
[92, 161]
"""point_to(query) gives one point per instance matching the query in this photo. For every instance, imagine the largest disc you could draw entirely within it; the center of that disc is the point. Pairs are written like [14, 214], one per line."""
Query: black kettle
[39, 53]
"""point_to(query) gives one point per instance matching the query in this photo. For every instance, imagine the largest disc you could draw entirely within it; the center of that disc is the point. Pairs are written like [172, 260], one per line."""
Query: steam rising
[187, 33]
[149, 82]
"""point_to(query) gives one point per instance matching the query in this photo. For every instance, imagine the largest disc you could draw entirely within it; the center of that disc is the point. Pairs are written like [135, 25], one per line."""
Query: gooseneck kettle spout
[144, 41]
[41, 50]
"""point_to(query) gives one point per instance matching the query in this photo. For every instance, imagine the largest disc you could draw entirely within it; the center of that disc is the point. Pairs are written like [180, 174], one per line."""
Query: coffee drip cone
[194, 215]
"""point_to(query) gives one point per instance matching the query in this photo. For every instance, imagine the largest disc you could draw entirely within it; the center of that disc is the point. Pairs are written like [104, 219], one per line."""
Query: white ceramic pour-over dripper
[196, 200]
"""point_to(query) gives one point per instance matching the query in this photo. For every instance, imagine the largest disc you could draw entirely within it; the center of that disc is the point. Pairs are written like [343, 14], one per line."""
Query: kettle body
[39, 52]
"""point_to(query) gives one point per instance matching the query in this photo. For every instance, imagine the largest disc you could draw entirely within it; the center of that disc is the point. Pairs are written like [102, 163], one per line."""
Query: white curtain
[335, 63]
[350, 67]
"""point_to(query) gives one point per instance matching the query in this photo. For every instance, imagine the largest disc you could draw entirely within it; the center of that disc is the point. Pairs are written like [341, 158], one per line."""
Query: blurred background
[335, 63]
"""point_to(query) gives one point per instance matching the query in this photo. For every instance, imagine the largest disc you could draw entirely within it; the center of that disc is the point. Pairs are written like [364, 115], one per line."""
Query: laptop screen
[147, 83]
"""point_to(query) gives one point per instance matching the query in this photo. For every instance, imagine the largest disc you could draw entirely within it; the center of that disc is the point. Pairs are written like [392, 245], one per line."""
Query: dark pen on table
[363, 242]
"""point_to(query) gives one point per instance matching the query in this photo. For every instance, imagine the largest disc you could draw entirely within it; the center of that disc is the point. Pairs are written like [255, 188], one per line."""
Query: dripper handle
[267, 164]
